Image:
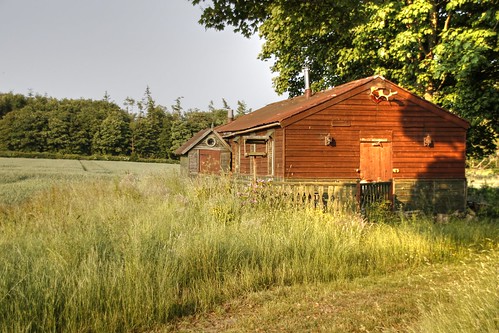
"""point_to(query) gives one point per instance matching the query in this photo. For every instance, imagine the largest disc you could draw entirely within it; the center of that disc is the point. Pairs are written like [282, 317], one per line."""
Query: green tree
[86, 119]
[242, 109]
[197, 120]
[142, 146]
[42, 124]
[129, 104]
[113, 136]
[165, 139]
[10, 102]
[150, 130]
[58, 130]
[446, 50]
[179, 132]
[24, 130]
[149, 137]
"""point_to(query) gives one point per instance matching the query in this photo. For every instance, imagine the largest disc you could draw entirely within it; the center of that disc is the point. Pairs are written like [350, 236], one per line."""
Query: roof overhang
[250, 130]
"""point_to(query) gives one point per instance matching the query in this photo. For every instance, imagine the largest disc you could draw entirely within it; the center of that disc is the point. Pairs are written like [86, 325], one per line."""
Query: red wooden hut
[365, 131]
[206, 153]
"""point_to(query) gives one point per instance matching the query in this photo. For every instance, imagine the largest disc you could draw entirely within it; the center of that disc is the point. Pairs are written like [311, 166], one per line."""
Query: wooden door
[376, 161]
[209, 161]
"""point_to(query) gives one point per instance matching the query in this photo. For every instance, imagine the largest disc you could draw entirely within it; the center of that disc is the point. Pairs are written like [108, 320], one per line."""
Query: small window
[211, 142]
[252, 142]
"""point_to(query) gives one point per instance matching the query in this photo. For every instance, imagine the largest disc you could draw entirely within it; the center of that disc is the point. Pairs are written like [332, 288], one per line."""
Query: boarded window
[255, 145]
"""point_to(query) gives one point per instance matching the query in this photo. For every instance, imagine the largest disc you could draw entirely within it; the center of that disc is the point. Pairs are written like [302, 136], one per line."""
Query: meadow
[124, 247]
[20, 178]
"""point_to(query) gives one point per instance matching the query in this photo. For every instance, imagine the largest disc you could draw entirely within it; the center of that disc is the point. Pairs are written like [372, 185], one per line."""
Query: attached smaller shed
[206, 153]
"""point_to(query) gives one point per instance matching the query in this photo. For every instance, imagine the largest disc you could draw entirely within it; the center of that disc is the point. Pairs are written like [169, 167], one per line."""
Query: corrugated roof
[277, 112]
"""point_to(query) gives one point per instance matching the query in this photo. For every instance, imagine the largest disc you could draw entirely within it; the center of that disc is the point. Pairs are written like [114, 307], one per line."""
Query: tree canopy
[444, 50]
[87, 127]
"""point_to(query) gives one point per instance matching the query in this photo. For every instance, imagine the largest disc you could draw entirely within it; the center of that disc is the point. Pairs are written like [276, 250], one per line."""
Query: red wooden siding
[369, 140]
[307, 157]
[278, 152]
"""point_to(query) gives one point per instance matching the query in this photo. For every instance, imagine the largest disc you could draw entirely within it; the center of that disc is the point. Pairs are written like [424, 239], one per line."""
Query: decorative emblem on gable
[378, 94]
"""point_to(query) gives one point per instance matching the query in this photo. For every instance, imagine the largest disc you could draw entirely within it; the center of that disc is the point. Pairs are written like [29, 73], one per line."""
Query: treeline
[100, 127]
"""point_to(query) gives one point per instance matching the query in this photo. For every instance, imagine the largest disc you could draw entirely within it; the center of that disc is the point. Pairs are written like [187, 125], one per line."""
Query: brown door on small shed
[376, 161]
[209, 161]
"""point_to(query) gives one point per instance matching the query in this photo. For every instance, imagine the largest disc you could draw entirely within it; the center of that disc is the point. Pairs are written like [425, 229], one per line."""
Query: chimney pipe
[230, 115]
[308, 91]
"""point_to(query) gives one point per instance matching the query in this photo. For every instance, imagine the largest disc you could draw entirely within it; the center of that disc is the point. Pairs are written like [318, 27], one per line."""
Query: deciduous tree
[446, 51]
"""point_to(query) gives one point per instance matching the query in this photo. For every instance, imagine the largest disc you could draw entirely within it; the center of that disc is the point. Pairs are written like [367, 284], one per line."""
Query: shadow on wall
[438, 143]
[434, 191]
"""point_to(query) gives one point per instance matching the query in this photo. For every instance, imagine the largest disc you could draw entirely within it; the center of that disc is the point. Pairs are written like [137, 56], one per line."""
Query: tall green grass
[470, 304]
[135, 252]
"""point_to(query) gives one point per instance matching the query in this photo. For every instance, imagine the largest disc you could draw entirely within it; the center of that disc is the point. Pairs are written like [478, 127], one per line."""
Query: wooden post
[391, 196]
[358, 195]
[254, 167]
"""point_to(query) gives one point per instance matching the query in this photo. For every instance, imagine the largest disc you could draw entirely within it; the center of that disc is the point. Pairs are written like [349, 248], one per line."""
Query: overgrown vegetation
[483, 193]
[135, 252]
[484, 200]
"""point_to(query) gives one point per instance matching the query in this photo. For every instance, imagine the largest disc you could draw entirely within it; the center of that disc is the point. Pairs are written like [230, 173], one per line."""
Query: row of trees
[85, 127]
[444, 50]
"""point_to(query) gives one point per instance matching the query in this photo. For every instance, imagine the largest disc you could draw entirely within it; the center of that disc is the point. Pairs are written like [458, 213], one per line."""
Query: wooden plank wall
[307, 157]
[193, 162]
[428, 196]
[278, 152]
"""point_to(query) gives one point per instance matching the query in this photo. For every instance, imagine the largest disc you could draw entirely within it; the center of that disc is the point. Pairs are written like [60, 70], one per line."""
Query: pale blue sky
[83, 48]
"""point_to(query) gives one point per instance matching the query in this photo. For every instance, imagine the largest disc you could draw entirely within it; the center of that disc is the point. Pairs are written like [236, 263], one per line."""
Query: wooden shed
[206, 152]
[362, 132]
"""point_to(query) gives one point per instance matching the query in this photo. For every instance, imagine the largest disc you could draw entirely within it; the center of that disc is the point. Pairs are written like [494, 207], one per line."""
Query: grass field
[125, 248]
[21, 177]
